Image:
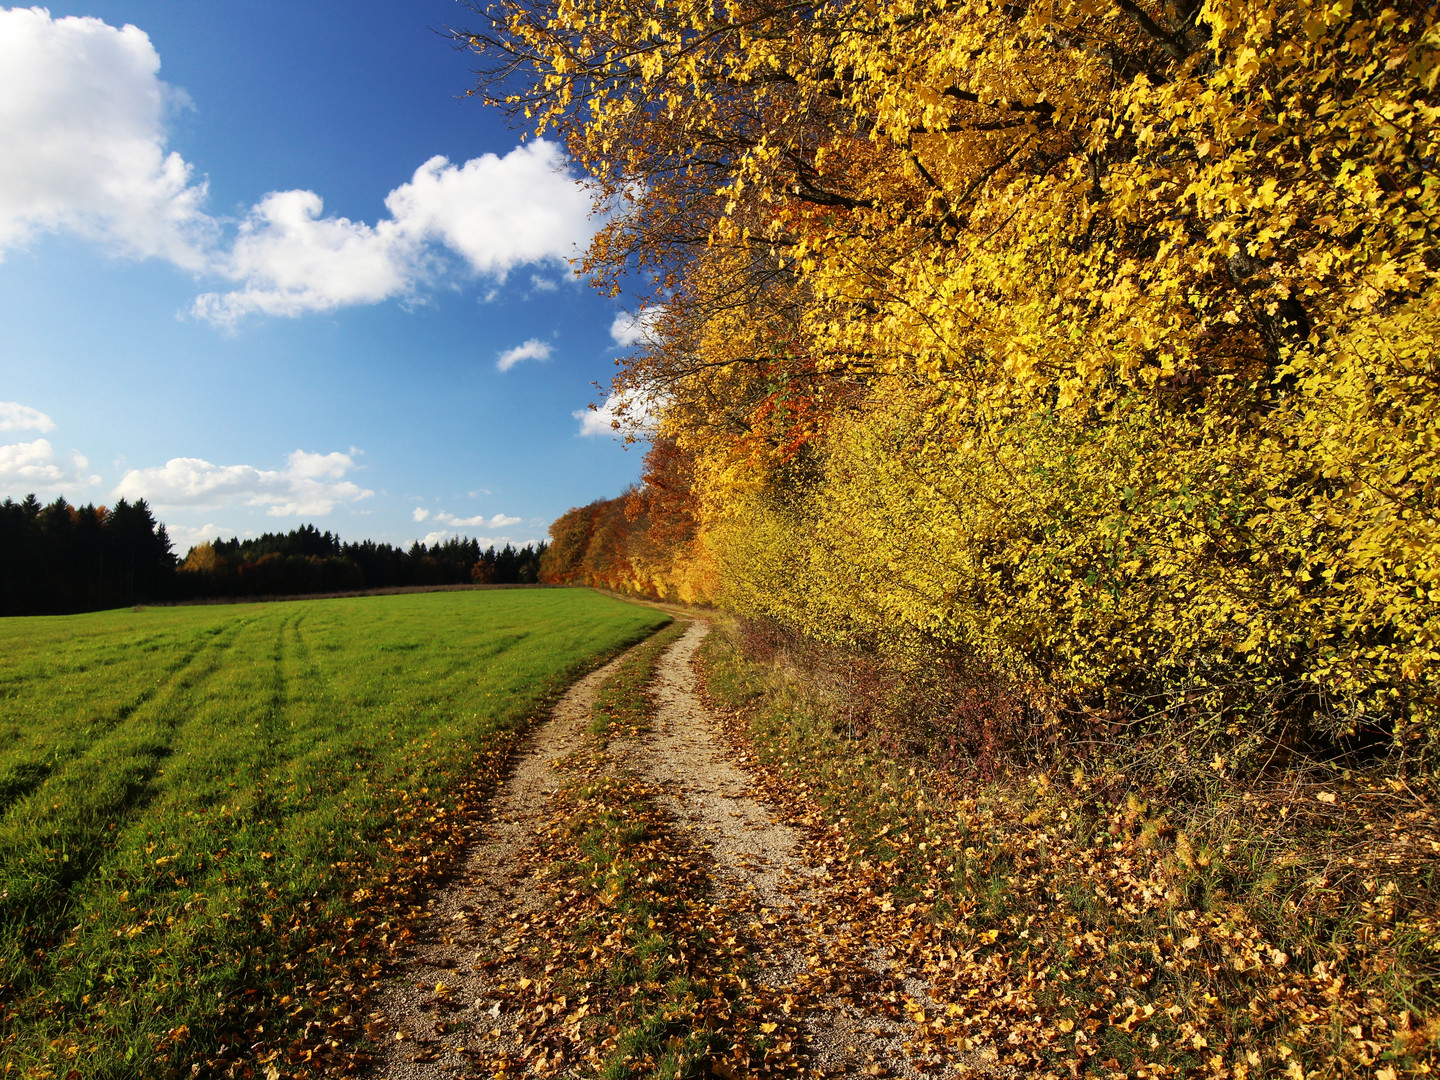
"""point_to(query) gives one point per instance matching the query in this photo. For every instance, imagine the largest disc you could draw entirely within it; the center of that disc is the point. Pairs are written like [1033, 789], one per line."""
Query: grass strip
[623, 705]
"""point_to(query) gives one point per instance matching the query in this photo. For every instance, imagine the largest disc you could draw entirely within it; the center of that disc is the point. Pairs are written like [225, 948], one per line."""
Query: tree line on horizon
[61, 558]
[58, 558]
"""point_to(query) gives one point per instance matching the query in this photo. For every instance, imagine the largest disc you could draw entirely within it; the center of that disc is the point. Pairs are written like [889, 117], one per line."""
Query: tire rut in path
[418, 1029]
[760, 861]
[760, 876]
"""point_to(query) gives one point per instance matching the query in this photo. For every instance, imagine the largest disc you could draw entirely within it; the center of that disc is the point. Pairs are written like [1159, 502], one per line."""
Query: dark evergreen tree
[58, 558]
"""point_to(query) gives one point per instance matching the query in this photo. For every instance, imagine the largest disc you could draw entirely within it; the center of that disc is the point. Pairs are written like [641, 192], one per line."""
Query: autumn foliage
[1088, 343]
[646, 542]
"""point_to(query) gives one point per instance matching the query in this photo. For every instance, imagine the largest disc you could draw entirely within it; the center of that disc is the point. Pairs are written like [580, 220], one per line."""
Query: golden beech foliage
[1093, 339]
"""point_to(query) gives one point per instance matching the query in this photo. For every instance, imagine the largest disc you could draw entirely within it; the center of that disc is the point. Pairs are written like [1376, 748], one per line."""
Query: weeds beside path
[1069, 925]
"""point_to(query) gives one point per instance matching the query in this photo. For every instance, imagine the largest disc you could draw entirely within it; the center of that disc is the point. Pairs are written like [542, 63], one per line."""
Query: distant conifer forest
[57, 558]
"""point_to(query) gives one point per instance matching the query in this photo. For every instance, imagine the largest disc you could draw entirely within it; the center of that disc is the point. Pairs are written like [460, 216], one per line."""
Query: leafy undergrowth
[217, 822]
[1076, 926]
[640, 972]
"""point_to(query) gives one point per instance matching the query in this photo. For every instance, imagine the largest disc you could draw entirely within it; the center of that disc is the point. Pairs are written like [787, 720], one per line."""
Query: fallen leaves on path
[605, 936]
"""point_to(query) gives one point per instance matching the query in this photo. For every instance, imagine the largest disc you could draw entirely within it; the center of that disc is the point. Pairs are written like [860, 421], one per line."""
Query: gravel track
[443, 1002]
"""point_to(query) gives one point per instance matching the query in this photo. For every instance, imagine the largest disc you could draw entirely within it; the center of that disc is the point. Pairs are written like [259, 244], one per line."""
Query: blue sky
[264, 264]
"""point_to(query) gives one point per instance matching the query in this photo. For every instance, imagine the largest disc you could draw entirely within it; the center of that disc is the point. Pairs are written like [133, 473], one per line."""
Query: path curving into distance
[841, 991]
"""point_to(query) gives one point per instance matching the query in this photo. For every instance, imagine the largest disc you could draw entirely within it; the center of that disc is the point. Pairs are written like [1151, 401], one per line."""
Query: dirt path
[424, 1019]
[761, 861]
[819, 972]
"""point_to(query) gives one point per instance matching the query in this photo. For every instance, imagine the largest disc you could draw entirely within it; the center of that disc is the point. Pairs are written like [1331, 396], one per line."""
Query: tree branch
[1164, 39]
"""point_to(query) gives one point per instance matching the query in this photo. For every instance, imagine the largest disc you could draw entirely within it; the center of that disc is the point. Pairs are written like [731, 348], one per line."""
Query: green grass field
[196, 802]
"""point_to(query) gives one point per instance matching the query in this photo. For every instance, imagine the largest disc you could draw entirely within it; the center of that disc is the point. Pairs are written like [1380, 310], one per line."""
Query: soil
[845, 995]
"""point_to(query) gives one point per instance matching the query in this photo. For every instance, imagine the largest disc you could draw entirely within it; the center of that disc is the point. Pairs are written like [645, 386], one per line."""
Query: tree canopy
[1092, 342]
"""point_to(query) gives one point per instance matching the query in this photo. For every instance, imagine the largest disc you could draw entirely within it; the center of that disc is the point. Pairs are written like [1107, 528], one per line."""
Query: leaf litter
[636, 908]
[1067, 934]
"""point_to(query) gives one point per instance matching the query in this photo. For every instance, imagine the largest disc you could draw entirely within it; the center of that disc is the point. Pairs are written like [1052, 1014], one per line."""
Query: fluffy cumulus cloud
[310, 484]
[480, 521]
[534, 349]
[27, 467]
[498, 212]
[17, 417]
[620, 415]
[82, 140]
[493, 213]
[629, 330]
[35, 467]
[439, 536]
[185, 537]
[290, 259]
[83, 150]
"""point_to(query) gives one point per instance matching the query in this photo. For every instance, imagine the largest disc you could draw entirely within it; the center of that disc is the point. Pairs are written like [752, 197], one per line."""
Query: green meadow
[194, 801]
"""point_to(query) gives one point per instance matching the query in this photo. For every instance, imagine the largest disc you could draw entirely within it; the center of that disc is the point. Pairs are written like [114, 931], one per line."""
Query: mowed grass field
[195, 803]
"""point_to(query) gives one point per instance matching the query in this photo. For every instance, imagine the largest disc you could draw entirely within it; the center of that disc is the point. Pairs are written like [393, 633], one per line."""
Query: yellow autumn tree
[1093, 340]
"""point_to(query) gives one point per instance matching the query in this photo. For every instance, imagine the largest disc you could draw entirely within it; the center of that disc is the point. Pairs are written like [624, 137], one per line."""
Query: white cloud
[543, 284]
[621, 415]
[496, 521]
[439, 536]
[82, 140]
[17, 417]
[183, 537]
[534, 349]
[83, 150]
[310, 484]
[480, 521]
[33, 466]
[292, 260]
[499, 213]
[495, 213]
[638, 329]
[330, 466]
